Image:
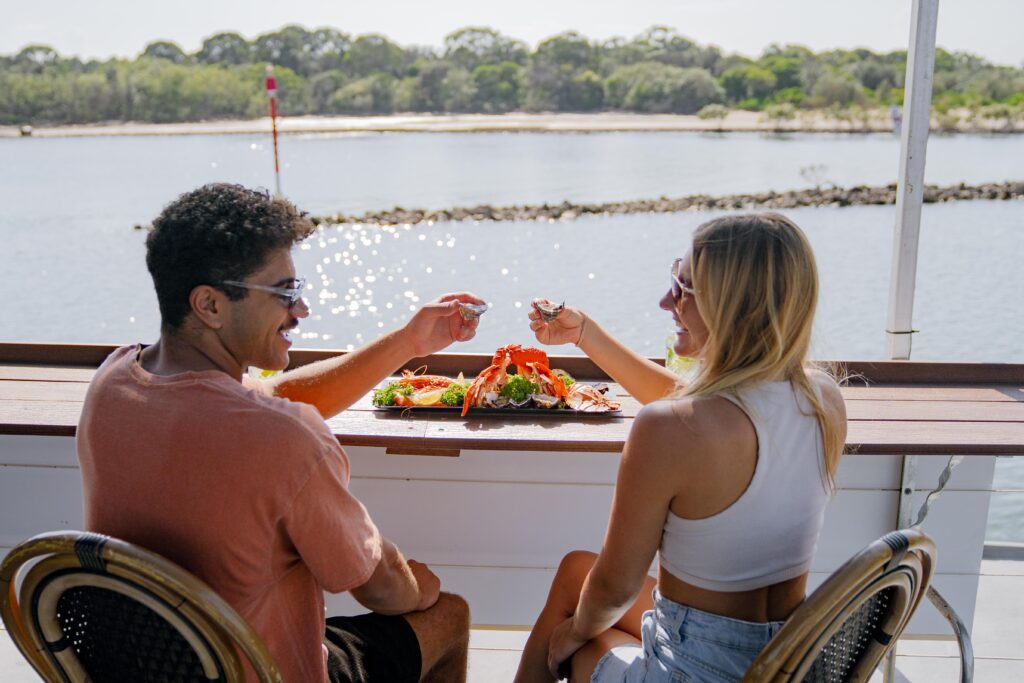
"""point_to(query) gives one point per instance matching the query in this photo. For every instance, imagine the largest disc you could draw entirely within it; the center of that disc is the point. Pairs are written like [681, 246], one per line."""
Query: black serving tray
[457, 410]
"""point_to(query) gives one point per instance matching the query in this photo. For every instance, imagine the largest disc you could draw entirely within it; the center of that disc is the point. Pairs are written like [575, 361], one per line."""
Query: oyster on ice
[545, 401]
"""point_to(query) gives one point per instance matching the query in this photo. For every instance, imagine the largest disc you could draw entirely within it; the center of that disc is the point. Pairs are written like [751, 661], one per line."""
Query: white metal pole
[917, 108]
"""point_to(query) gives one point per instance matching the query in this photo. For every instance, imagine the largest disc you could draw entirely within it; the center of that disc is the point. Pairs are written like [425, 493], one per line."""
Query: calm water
[68, 207]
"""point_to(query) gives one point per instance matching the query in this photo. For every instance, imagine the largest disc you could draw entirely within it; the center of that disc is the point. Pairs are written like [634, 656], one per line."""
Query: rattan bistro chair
[844, 628]
[85, 607]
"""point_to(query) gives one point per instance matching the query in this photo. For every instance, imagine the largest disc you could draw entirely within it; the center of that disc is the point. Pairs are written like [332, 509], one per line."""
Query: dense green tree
[835, 87]
[288, 47]
[321, 88]
[425, 90]
[666, 45]
[225, 48]
[662, 88]
[36, 58]
[475, 46]
[586, 92]
[748, 82]
[458, 90]
[373, 53]
[163, 49]
[369, 95]
[566, 49]
[785, 69]
[327, 48]
[498, 87]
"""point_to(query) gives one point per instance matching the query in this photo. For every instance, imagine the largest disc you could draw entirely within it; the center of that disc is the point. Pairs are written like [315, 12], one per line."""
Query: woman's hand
[563, 645]
[567, 328]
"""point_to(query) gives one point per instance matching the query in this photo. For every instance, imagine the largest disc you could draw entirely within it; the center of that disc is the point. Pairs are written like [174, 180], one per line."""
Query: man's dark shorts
[372, 648]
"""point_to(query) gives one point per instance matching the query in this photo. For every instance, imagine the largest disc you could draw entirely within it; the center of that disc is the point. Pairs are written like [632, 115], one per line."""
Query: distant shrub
[778, 114]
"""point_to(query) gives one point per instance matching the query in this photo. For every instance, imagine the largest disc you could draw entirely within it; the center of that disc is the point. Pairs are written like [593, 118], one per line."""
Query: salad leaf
[518, 388]
[454, 394]
[386, 396]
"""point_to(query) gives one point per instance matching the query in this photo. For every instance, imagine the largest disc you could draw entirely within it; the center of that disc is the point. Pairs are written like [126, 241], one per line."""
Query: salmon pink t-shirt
[246, 491]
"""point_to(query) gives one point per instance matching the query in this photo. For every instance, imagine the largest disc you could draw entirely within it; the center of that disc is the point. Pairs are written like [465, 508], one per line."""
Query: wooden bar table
[493, 502]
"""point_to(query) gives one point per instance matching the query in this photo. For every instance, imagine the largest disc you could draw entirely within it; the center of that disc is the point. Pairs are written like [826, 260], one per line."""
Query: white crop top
[770, 532]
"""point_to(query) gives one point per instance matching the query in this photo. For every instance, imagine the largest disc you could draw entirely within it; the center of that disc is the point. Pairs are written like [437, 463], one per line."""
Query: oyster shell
[548, 311]
[492, 399]
[544, 401]
[472, 311]
[525, 403]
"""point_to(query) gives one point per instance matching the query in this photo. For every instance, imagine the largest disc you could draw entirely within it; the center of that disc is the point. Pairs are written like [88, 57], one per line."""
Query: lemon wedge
[426, 398]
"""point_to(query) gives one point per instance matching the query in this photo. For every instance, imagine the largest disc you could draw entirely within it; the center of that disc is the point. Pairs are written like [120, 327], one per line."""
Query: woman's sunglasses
[679, 286]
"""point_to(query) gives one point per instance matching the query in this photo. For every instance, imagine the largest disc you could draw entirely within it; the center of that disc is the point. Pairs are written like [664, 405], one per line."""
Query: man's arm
[398, 586]
[336, 383]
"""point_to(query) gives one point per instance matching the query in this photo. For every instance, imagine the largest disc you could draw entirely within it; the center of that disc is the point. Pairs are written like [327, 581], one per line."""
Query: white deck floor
[998, 637]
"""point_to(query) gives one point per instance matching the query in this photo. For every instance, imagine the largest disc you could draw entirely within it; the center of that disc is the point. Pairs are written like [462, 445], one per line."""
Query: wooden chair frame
[37, 572]
[901, 560]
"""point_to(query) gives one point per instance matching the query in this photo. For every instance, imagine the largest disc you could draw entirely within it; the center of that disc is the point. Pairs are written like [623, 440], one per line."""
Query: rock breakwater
[820, 196]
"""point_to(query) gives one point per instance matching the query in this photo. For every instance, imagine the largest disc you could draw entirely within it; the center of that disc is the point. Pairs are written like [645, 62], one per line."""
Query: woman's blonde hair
[756, 287]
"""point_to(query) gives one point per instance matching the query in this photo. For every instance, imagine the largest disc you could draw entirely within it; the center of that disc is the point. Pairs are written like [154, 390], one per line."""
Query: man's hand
[565, 329]
[562, 646]
[439, 323]
[429, 584]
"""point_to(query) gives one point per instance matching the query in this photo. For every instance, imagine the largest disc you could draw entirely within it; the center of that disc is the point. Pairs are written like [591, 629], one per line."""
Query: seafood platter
[518, 380]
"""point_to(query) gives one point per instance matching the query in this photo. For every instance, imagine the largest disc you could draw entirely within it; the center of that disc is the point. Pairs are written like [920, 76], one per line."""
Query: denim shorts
[681, 643]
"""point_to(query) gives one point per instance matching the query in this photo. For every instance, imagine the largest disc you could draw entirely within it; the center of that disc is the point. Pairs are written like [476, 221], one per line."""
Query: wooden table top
[898, 408]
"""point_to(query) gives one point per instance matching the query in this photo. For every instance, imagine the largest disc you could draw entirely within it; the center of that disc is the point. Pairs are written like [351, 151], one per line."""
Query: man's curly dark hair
[215, 233]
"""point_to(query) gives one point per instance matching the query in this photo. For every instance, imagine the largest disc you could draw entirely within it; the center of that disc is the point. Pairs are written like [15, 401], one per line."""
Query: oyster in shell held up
[548, 311]
[472, 311]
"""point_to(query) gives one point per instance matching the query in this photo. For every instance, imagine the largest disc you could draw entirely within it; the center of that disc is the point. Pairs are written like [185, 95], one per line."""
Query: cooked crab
[589, 399]
[531, 363]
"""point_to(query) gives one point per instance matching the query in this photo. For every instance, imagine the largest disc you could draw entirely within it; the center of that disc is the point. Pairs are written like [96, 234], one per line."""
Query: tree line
[326, 71]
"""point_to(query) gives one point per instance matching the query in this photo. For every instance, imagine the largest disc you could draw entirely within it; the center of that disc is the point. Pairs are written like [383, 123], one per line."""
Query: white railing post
[917, 110]
[917, 104]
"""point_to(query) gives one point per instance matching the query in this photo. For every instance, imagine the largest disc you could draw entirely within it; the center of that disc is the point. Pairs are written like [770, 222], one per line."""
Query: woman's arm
[643, 379]
[649, 476]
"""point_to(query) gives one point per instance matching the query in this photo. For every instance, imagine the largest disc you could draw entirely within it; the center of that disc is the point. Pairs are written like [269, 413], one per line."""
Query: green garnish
[565, 376]
[386, 396]
[518, 388]
[454, 394]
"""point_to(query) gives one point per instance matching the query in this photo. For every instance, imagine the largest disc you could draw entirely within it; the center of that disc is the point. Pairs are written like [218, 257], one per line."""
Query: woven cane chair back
[85, 607]
[844, 628]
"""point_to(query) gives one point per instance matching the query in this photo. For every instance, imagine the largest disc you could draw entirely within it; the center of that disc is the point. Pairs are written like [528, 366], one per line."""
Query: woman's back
[740, 542]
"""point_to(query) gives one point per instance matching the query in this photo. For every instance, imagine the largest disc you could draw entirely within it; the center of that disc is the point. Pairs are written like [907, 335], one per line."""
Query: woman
[726, 478]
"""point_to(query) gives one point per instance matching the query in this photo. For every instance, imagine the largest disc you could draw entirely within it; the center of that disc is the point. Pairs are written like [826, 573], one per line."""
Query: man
[184, 454]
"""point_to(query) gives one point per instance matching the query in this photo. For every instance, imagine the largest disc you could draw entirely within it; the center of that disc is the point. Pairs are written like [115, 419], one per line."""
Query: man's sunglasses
[289, 296]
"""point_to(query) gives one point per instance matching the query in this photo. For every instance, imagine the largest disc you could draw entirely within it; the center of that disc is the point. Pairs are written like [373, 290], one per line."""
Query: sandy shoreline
[466, 123]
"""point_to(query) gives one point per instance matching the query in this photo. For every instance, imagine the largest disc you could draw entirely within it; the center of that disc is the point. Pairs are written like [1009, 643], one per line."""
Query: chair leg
[963, 636]
[889, 666]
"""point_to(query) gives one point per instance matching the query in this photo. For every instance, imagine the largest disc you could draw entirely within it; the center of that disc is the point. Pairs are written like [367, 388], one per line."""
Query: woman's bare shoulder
[693, 423]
